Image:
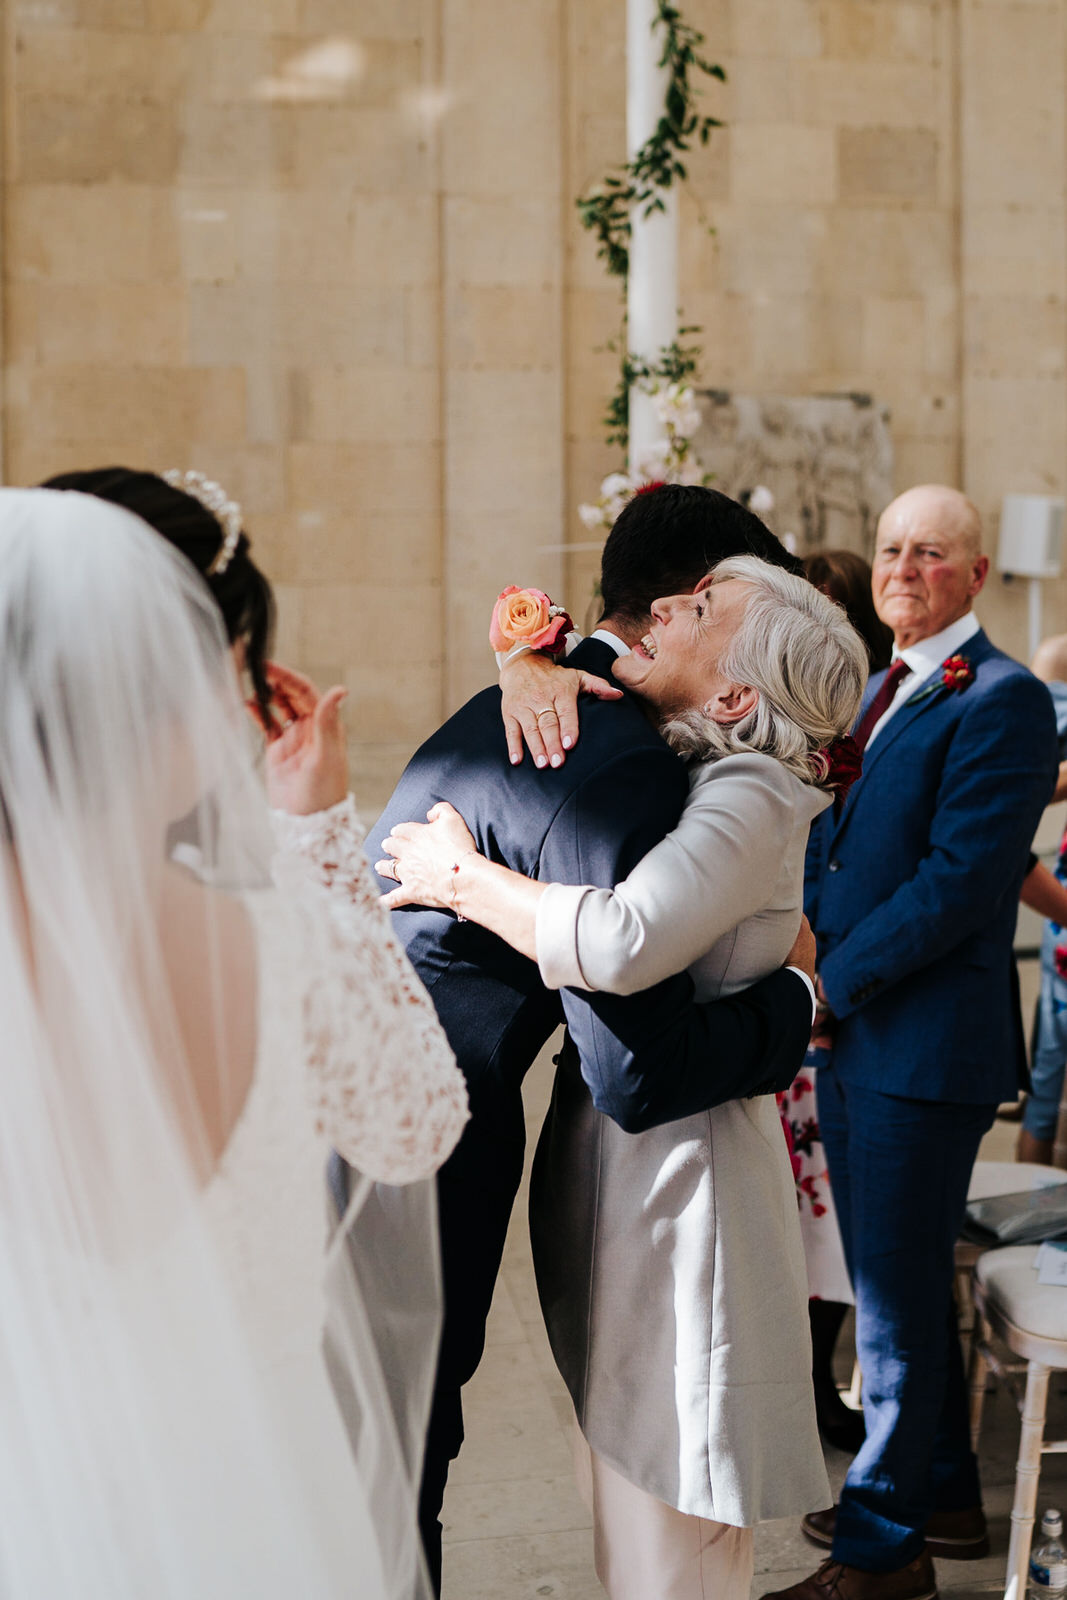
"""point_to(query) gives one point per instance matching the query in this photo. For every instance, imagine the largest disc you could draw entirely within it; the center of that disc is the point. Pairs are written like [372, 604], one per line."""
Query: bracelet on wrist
[454, 869]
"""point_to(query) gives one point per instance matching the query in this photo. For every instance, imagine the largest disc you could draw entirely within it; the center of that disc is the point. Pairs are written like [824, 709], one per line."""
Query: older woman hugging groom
[649, 893]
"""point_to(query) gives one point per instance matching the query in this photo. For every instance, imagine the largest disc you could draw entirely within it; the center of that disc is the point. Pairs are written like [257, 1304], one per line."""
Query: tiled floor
[515, 1528]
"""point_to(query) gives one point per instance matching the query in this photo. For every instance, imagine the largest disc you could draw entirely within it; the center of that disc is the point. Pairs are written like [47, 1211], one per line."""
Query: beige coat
[669, 1263]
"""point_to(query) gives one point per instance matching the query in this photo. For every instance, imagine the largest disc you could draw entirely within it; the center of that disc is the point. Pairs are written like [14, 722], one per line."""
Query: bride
[195, 1009]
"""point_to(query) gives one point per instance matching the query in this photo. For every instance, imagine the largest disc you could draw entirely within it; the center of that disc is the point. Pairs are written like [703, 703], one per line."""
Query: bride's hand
[421, 856]
[539, 703]
[307, 756]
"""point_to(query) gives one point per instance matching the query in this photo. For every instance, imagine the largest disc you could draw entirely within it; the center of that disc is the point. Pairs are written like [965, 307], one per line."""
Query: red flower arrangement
[794, 1158]
[957, 673]
[839, 764]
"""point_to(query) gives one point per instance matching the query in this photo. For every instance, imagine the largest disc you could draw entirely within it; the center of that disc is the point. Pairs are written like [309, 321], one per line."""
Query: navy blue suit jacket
[913, 890]
[647, 1058]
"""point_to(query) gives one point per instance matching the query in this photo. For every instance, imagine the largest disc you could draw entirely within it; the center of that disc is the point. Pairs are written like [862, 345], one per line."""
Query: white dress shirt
[605, 636]
[924, 659]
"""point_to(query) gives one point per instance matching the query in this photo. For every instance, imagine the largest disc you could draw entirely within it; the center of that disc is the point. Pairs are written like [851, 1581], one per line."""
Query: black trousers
[476, 1191]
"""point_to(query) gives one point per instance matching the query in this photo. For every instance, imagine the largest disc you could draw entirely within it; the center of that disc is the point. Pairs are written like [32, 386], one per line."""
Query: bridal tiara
[213, 497]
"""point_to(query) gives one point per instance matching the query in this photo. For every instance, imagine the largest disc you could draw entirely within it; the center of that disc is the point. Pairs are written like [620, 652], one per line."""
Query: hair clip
[213, 498]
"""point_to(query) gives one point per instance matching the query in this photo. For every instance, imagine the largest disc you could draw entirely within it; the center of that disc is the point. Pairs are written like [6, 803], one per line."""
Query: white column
[652, 290]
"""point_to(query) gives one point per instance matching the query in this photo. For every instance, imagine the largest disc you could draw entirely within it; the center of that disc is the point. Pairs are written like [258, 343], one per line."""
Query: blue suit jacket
[647, 1058]
[913, 891]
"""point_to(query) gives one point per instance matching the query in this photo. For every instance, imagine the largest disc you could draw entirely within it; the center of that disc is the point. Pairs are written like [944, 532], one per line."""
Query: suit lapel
[928, 694]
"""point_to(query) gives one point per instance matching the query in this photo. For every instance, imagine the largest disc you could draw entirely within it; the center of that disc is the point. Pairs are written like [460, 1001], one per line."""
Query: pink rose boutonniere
[528, 617]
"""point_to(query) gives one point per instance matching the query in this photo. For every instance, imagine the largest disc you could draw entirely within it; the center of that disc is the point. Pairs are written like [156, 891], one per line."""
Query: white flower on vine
[691, 472]
[676, 408]
[615, 484]
[761, 500]
[592, 516]
[653, 462]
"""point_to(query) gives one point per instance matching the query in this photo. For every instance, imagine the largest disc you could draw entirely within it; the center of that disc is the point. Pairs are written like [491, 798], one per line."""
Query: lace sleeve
[385, 1084]
[329, 847]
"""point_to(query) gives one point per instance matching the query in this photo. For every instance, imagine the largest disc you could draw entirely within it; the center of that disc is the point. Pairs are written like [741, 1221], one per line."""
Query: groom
[647, 1058]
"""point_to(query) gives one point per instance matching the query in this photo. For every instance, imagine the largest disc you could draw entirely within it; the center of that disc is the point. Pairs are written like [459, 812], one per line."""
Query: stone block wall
[327, 251]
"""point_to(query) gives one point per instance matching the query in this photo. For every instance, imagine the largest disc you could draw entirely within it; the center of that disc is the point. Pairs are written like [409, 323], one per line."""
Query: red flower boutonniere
[1060, 954]
[838, 765]
[957, 673]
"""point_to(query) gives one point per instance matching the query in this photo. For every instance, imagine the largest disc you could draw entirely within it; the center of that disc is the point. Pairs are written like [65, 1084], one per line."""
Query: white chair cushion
[991, 1178]
[1008, 1280]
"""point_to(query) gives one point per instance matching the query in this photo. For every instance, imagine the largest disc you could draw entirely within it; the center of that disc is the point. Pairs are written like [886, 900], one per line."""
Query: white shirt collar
[607, 637]
[927, 655]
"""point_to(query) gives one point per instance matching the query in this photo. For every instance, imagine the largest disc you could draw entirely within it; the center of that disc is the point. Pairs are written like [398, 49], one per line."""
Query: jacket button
[835, 866]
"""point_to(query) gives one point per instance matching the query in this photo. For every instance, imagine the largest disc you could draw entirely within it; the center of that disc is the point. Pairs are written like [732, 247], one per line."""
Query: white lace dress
[351, 1057]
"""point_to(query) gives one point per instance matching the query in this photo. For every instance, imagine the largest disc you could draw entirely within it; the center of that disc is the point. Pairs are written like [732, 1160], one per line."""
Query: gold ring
[548, 711]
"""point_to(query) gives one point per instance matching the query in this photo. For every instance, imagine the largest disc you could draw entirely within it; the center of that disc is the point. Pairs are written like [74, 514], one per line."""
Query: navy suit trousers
[899, 1170]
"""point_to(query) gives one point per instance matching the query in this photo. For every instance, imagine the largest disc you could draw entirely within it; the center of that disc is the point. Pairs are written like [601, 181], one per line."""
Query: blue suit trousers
[899, 1170]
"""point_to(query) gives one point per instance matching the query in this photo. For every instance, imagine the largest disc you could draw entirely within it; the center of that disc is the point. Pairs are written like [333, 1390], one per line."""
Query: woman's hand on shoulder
[307, 755]
[539, 704]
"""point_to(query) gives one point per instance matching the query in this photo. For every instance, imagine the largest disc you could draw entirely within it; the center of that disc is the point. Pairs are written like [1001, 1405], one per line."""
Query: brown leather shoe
[835, 1581]
[818, 1527]
[957, 1535]
[950, 1535]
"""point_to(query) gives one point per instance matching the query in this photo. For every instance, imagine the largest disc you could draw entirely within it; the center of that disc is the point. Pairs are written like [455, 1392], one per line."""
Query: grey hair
[796, 647]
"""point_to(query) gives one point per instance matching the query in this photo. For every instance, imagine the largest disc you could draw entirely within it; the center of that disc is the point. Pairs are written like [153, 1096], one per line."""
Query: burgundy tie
[882, 700]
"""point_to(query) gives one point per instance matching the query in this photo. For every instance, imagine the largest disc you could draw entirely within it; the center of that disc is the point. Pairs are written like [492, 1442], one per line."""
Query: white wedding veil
[148, 1446]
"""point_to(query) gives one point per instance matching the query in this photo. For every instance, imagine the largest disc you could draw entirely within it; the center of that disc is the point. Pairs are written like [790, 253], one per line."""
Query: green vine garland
[607, 209]
[676, 363]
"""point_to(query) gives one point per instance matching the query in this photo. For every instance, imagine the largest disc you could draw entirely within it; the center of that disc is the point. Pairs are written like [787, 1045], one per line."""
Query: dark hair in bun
[241, 592]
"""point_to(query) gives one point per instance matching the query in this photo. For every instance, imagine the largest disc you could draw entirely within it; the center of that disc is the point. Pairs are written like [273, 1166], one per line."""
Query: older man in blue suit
[913, 893]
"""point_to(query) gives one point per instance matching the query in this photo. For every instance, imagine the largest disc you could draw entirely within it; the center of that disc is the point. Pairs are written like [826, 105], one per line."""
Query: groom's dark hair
[669, 537]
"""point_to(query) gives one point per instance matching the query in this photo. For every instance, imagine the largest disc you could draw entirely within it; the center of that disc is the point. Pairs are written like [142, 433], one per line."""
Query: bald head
[1050, 659]
[933, 505]
[928, 562]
